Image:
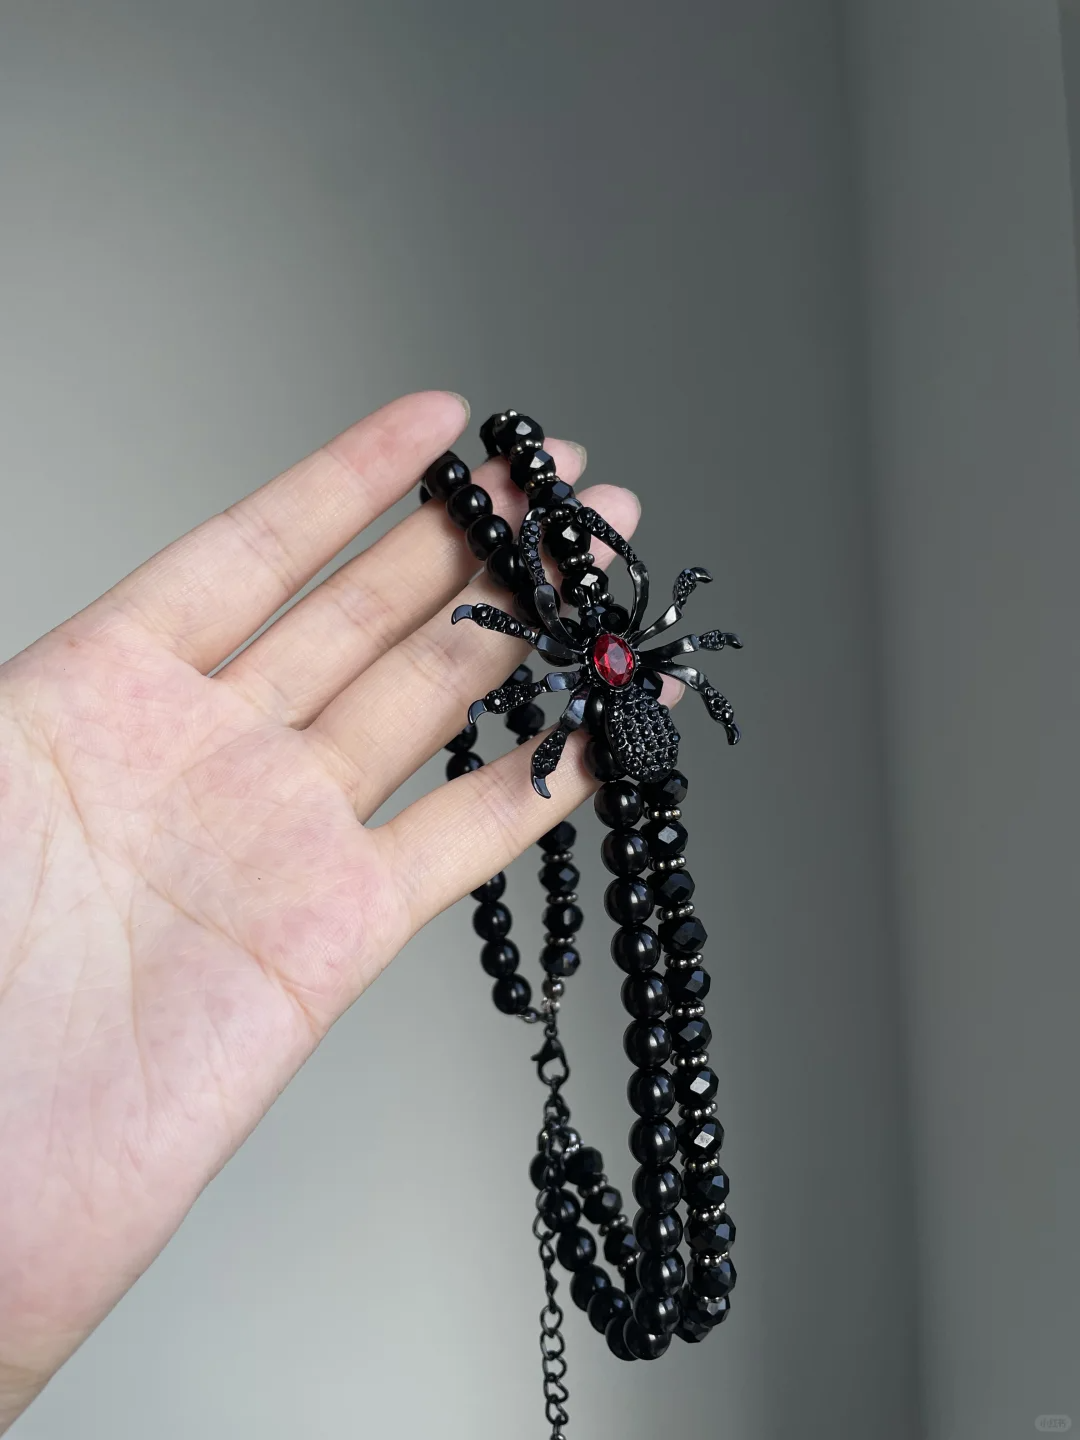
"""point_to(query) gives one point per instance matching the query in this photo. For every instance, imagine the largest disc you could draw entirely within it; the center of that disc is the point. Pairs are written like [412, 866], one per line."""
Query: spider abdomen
[640, 734]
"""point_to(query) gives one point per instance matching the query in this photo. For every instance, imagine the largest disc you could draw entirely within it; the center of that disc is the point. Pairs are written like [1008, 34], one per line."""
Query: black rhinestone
[446, 475]
[560, 1210]
[667, 793]
[652, 1142]
[651, 683]
[704, 1191]
[575, 1249]
[701, 1139]
[614, 1337]
[683, 937]
[563, 920]
[463, 763]
[714, 1235]
[659, 1230]
[696, 1087]
[666, 838]
[628, 901]
[487, 534]
[562, 837]
[566, 538]
[602, 1206]
[462, 741]
[660, 1274]
[620, 1245]
[624, 852]
[690, 1035]
[468, 504]
[500, 957]
[602, 762]
[713, 1280]
[491, 889]
[657, 1188]
[647, 1043]
[645, 996]
[560, 960]
[525, 719]
[688, 987]
[605, 1305]
[674, 888]
[533, 464]
[507, 568]
[492, 920]
[587, 1283]
[585, 1166]
[635, 950]
[516, 429]
[559, 877]
[511, 994]
[618, 804]
[651, 1093]
[642, 1343]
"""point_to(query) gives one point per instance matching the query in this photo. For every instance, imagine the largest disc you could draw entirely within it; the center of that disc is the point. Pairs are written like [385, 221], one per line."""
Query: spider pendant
[615, 683]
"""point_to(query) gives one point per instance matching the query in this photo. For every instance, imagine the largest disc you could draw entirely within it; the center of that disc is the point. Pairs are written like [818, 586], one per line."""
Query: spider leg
[710, 640]
[686, 582]
[718, 706]
[491, 618]
[548, 753]
[512, 694]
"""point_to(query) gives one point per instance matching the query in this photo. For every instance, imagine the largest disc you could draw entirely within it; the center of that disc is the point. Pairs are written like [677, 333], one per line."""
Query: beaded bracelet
[614, 686]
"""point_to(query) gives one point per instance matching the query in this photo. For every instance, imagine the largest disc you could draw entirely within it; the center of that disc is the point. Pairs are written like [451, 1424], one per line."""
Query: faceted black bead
[492, 920]
[462, 764]
[487, 534]
[468, 504]
[487, 433]
[491, 889]
[666, 838]
[618, 804]
[588, 587]
[658, 1188]
[715, 1235]
[706, 1311]
[651, 1093]
[688, 987]
[605, 1305]
[560, 960]
[560, 1210]
[710, 1281]
[701, 1139]
[587, 1283]
[560, 837]
[507, 568]
[522, 675]
[628, 901]
[601, 761]
[635, 949]
[690, 1331]
[704, 1191]
[567, 538]
[628, 1274]
[423, 494]
[515, 430]
[690, 1035]
[660, 1274]
[528, 465]
[696, 1087]
[511, 994]
[620, 1245]
[667, 793]
[559, 877]
[462, 741]
[602, 1206]
[584, 1167]
[645, 996]
[614, 1337]
[446, 475]
[656, 1313]
[647, 1043]
[659, 1230]
[683, 937]
[575, 1249]
[652, 1142]
[525, 719]
[554, 494]
[642, 1344]
[500, 957]
[674, 888]
[563, 920]
[624, 852]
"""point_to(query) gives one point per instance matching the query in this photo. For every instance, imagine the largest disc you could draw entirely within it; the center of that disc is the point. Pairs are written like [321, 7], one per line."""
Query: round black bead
[614, 1337]
[683, 937]
[714, 1279]
[566, 538]
[487, 534]
[491, 889]
[643, 1344]
[560, 837]
[635, 950]
[587, 1283]
[656, 1313]
[628, 901]
[674, 888]
[652, 1142]
[688, 987]
[507, 568]
[423, 494]
[659, 1230]
[602, 762]
[660, 1274]
[511, 994]
[500, 957]
[646, 1043]
[463, 763]
[562, 920]
[446, 475]
[701, 1139]
[645, 996]
[657, 1187]
[667, 838]
[628, 1274]
[560, 960]
[584, 1167]
[651, 1093]
[690, 1035]
[462, 741]
[624, 852]
[559, 877]
[605, 1305]
[704, 1191]
[560, 1209]
[525, 719]
[533, 464]
[602, 1206]
[618, 804]
[492, 920]
[515, 430]
[714, 1235]
[575, 1249]
[468, 504]
[667, 793]
[538, 1170]
[620, 1247]
[696, 1087]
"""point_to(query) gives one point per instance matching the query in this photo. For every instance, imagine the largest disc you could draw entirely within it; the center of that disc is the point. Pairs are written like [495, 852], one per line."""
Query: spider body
[616, 675]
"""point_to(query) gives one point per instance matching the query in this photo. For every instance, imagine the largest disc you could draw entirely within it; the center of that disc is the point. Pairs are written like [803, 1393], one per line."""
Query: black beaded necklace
[614, 687]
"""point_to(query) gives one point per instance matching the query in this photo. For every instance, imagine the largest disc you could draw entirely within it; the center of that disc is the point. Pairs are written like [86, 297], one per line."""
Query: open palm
[187, 899]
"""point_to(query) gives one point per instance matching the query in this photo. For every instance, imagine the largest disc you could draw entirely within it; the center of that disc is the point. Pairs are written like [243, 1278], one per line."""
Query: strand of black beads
[709, 1229]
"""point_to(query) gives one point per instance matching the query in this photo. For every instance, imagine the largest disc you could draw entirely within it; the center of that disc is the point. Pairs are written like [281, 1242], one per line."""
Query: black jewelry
[613, 675]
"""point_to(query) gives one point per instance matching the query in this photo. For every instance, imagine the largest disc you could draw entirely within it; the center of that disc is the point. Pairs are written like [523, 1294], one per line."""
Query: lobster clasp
[551, 1064]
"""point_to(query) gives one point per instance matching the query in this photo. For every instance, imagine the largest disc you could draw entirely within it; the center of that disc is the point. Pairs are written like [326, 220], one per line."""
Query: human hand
[190, 894]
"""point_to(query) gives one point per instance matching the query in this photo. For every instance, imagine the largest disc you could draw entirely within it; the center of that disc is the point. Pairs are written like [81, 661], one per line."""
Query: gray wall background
[807, 271]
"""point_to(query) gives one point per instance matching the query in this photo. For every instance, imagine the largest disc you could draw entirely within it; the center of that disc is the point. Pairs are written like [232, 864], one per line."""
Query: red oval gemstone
[614, 660]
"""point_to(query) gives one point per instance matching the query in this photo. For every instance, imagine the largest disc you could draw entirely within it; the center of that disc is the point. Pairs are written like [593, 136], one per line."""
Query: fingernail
[464, 404]
[581, 451]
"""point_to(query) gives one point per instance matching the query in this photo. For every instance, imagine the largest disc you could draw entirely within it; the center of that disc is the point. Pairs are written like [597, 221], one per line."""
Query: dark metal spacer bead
[665, 867]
